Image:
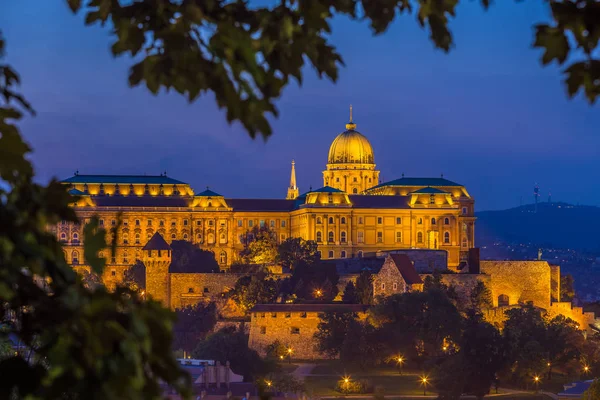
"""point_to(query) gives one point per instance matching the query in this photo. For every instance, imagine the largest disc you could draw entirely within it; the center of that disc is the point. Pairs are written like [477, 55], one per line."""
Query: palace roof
[261, 204]
[430, 190]
[209, 193]
[124, 179]
[339, 307]
[369, 201]
[419, 182]
[157, 242]
[141, 201]
[75, 192]
[326, 189]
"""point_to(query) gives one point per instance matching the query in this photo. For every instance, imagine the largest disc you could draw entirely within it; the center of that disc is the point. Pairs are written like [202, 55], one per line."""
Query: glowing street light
[586, 369]
[346, 380]
[318, 293]
[536, 380]
[424, 382]
[269, 383]
[289, 352]
[400, 361]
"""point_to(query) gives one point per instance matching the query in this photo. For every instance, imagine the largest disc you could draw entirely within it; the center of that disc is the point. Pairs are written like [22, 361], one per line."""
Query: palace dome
[351, 147]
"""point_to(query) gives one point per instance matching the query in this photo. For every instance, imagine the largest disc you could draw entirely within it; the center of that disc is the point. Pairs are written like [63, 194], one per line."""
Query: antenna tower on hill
[536, 195]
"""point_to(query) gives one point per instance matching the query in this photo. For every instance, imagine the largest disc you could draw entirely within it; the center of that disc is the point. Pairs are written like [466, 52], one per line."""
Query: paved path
[303, 370]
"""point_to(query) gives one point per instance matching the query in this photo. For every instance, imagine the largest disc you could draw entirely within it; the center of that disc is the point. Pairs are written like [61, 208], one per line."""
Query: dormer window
[432, 199]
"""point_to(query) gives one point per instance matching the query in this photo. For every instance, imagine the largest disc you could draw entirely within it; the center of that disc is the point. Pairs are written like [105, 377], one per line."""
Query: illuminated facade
[351, 215]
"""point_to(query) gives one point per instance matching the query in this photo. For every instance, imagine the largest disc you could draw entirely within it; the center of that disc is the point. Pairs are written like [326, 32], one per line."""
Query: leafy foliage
[314, 282]
[246, 55]
[294, 251]
[90, 279]
[260, 246]
[231, 345]
[85, 343]
[350, 295]
[332, 331]
[192, 324]
[593, 391]
[134, 277]
[364, 288]
[567, 289]
[254, 289]
[189, 258]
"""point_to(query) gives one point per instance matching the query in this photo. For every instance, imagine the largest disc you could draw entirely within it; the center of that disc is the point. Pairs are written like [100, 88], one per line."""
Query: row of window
[125, 257]
[261, 223]
[331, 221]
[360, 237]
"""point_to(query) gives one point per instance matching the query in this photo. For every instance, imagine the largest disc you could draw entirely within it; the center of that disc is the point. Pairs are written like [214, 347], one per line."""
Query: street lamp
[400, 361]
[536, 380]
[424, 382]
[586, 369]
[346, 380]
[269, 383]
[318, 293]
[289, 351]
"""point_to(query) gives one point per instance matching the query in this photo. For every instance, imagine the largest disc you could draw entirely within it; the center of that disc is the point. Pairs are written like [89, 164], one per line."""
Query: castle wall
[521, 281]
[555, 282]
[190, 288]
[294, 330]
[426, 261]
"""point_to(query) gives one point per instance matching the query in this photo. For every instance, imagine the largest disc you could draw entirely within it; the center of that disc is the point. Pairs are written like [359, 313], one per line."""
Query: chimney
[474, 266]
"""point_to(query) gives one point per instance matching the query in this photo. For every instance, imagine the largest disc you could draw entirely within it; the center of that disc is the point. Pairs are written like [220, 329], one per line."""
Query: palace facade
[352, 214]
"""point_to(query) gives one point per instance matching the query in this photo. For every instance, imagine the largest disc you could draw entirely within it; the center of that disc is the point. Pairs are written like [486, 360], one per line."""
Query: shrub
[359, 386]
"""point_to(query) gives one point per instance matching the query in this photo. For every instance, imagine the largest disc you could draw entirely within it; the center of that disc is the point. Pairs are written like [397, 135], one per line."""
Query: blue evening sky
[487, 115]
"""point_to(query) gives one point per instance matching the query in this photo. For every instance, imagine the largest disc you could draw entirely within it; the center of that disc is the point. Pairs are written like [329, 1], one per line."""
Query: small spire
[350, 126]
[293, 191]
[442, 176]
[403, 174]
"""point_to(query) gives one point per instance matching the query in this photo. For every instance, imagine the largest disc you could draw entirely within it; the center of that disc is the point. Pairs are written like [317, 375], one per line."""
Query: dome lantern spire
[350, 126]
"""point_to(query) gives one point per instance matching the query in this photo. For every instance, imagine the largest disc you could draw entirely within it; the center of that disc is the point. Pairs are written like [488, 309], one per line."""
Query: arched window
[464, 227]
[76, 237]
[343, 254]
[148, 236]
[319, 237]
[199, 238]
[223, 238]
[464, 243]
[360, 254]
[173, 236]
[319, 221]
[370, 180]
[354, 191]
[343, 237]
[63, 237]
[137, 238]
[419, 237]
[211, 238]
[74, 257]
[355, 179]
[503, 300]
[330, 237]
[331, 220]
[446, 237]
[125, 238]
[185, 236]
[125, 258]
[343, 220]
[432, 221]
[330, 253]
[446, 221]
[223, 258]
[420, 221]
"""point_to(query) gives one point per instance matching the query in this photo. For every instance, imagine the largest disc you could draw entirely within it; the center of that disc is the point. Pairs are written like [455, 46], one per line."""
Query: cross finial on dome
[350, 113]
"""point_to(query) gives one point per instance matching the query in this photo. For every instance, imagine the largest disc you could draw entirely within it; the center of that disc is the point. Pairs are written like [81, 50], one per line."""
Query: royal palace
[351, 215]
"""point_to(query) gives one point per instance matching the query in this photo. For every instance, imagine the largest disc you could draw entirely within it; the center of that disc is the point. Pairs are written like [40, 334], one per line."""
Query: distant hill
[558, 225]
